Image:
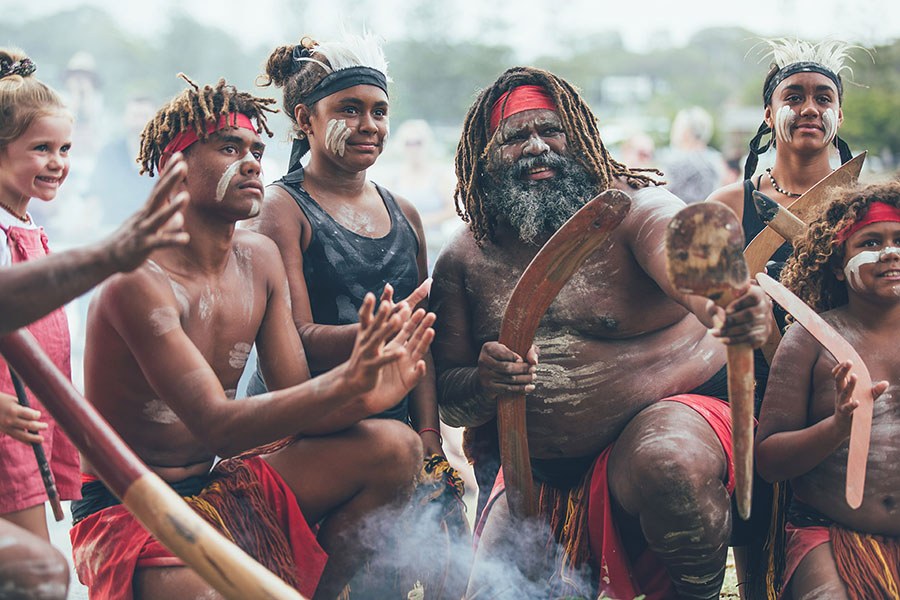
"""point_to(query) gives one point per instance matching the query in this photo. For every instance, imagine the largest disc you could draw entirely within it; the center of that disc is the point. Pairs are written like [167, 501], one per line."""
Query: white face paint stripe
[229, 174]
[830, 121]
[784, 118]
[336, 134]
[851, 271]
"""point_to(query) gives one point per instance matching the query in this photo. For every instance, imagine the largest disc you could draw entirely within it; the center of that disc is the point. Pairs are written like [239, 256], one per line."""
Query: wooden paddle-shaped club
[164, 513]
[548, 272]
[833, 342]
[704, 244]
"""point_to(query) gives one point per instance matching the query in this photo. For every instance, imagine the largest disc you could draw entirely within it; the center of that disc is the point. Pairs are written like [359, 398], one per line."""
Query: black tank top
[340, 266]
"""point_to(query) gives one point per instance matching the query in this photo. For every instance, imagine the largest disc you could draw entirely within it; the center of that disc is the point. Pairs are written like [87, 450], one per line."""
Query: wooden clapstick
[548, 272]
[164, 513]
[704, 244]
[39, 455]
[833, 342]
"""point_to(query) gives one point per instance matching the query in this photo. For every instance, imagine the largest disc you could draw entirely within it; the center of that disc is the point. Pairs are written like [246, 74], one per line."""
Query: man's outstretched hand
[158, 224]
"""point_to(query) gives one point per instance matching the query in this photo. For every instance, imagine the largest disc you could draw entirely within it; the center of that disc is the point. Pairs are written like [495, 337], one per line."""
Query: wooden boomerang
[831, 340]
[703, 251]
[763, 246]
[548, 272]
[164, 513]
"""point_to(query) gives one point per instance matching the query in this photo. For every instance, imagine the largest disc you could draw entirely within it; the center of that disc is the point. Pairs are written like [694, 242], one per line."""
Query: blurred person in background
[693, 169]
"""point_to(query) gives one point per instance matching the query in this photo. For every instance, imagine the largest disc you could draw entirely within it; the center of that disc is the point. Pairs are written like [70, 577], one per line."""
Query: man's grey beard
[536, 209]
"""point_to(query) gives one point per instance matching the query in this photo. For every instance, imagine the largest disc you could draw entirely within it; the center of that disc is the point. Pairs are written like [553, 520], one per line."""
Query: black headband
[800, 67]
[343, 79]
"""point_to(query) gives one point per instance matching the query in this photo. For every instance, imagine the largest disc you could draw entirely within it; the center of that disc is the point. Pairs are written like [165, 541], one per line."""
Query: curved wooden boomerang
[833, 342]
[164, 513]
[763, 246]
[548, 272]
[760, 250]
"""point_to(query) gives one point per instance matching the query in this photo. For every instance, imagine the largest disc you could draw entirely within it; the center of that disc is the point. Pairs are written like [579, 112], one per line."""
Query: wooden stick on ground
[536, 289]
[833, 342]
[164, 513]
[43, 465]
[703, 247]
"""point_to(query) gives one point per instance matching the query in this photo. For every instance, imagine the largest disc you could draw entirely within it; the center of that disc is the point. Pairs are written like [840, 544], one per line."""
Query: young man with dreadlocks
[847, 267]
[177, 333]
[640, 485]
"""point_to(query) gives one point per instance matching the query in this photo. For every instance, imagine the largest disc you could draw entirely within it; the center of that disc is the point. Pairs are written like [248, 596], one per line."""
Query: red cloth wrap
[520, 99]
[800, 541]
[21, 485]
[619, 578]
[878, 212]
[186, 137]
[109, 545]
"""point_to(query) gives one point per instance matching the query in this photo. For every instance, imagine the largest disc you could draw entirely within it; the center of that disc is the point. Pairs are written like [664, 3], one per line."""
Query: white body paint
[830, 121]
[237, 357]
[229, 173]
[164, 320]
[336, 134]
[851, 271]
[784, 118]
[157, 411]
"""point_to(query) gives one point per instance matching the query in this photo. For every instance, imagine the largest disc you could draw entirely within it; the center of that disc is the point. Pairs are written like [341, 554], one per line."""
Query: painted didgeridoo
[39, 455]
[546, 274]
[834, 343]
[704, 245]
[164, 513]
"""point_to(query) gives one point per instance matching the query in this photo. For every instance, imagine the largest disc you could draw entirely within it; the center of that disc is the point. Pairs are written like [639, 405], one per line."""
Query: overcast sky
[538, 24]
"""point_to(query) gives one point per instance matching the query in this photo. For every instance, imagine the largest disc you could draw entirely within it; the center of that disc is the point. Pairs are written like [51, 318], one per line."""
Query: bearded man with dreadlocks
[634, 487]
[846, 267]
[176, 334]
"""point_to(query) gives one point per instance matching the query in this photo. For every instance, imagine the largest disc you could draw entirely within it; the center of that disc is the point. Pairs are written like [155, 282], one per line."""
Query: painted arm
[35, 288]
[469, 378]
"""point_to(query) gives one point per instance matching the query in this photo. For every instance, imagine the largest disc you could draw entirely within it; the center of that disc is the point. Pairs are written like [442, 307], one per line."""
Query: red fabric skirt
[109, 545]
[619, 577]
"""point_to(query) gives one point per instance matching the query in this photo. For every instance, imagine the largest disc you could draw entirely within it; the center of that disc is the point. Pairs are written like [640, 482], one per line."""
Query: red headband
[520, 99]
[186, 137]
[878, 212]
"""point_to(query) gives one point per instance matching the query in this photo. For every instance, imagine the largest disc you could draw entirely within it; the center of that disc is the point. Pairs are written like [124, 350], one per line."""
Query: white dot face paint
[784, 119]
[238, 355]
[229, 173]
[851, 271]
[830, 122]
[163, 320]
[336, 134]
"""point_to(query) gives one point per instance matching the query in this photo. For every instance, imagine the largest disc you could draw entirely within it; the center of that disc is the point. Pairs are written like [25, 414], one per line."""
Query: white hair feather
[352, 51]
[831, 54]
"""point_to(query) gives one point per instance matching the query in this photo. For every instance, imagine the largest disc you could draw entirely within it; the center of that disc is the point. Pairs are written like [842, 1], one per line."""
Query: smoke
[421, 544]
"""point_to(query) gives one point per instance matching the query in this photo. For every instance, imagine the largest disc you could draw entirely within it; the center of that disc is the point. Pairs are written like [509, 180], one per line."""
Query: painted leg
[816, 578]
[30, 568]
[355, 481]
[667, 469]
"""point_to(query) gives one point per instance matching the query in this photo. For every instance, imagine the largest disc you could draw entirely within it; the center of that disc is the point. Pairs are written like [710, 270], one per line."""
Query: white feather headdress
[351, 51]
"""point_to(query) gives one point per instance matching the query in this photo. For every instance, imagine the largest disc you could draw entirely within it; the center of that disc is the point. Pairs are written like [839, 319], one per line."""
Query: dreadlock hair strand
[195, 108]
[477, 143]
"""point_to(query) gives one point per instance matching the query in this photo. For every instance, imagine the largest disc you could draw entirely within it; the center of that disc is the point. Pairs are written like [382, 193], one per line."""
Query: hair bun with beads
[22, 67]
